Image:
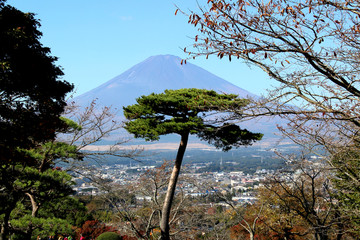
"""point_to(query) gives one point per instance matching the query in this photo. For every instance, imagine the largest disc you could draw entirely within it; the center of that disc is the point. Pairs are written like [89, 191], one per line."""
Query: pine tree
[185, 112]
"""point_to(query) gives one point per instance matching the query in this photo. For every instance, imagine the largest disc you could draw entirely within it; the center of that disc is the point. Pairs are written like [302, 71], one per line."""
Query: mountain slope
[161, 72]
[156, 74]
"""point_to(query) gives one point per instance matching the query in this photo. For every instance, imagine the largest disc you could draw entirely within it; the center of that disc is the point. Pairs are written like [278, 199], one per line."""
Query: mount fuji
[157, 73]
[154, 75]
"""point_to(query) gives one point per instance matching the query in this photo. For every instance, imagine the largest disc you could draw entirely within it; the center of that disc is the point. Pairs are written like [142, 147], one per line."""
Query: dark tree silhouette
[31, 93]
[32, 97]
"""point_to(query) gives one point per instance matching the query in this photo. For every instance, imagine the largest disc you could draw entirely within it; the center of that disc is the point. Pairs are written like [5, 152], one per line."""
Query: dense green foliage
[32, 96]
[36, 202]
[183, 111]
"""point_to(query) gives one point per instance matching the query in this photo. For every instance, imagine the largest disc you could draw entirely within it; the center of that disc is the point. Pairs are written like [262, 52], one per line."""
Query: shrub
[109, 236]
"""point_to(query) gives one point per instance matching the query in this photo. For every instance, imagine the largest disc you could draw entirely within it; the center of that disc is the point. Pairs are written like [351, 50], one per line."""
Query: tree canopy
[185, 112]
[32, 98]
[32, 95]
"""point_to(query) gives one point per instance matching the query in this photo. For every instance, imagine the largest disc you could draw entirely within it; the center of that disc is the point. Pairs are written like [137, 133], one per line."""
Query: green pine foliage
[193, 111]
[32, 92]
[184, 111]
[42, 227]
[31, 101]
[51, 184]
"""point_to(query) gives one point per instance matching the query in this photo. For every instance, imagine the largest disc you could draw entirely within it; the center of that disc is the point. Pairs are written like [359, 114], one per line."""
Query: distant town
[237, 172]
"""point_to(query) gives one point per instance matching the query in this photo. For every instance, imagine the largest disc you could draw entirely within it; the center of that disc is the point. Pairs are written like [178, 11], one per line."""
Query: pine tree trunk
[4, 234]
[4, 229]
[34, 205]
[165, 214]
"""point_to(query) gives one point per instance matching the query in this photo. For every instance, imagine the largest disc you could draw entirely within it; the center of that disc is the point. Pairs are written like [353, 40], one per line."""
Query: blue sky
[98, 40]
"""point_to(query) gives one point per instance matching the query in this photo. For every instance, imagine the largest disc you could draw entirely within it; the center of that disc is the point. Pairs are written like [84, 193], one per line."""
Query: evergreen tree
[185, 112]
[32, 96]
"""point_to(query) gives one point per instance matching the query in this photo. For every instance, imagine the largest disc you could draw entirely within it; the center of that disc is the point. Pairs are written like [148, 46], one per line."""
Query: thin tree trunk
[251, 237]
[34, 205]
[35, 209]
[5, 226]
[4, 233]
[165, 214]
